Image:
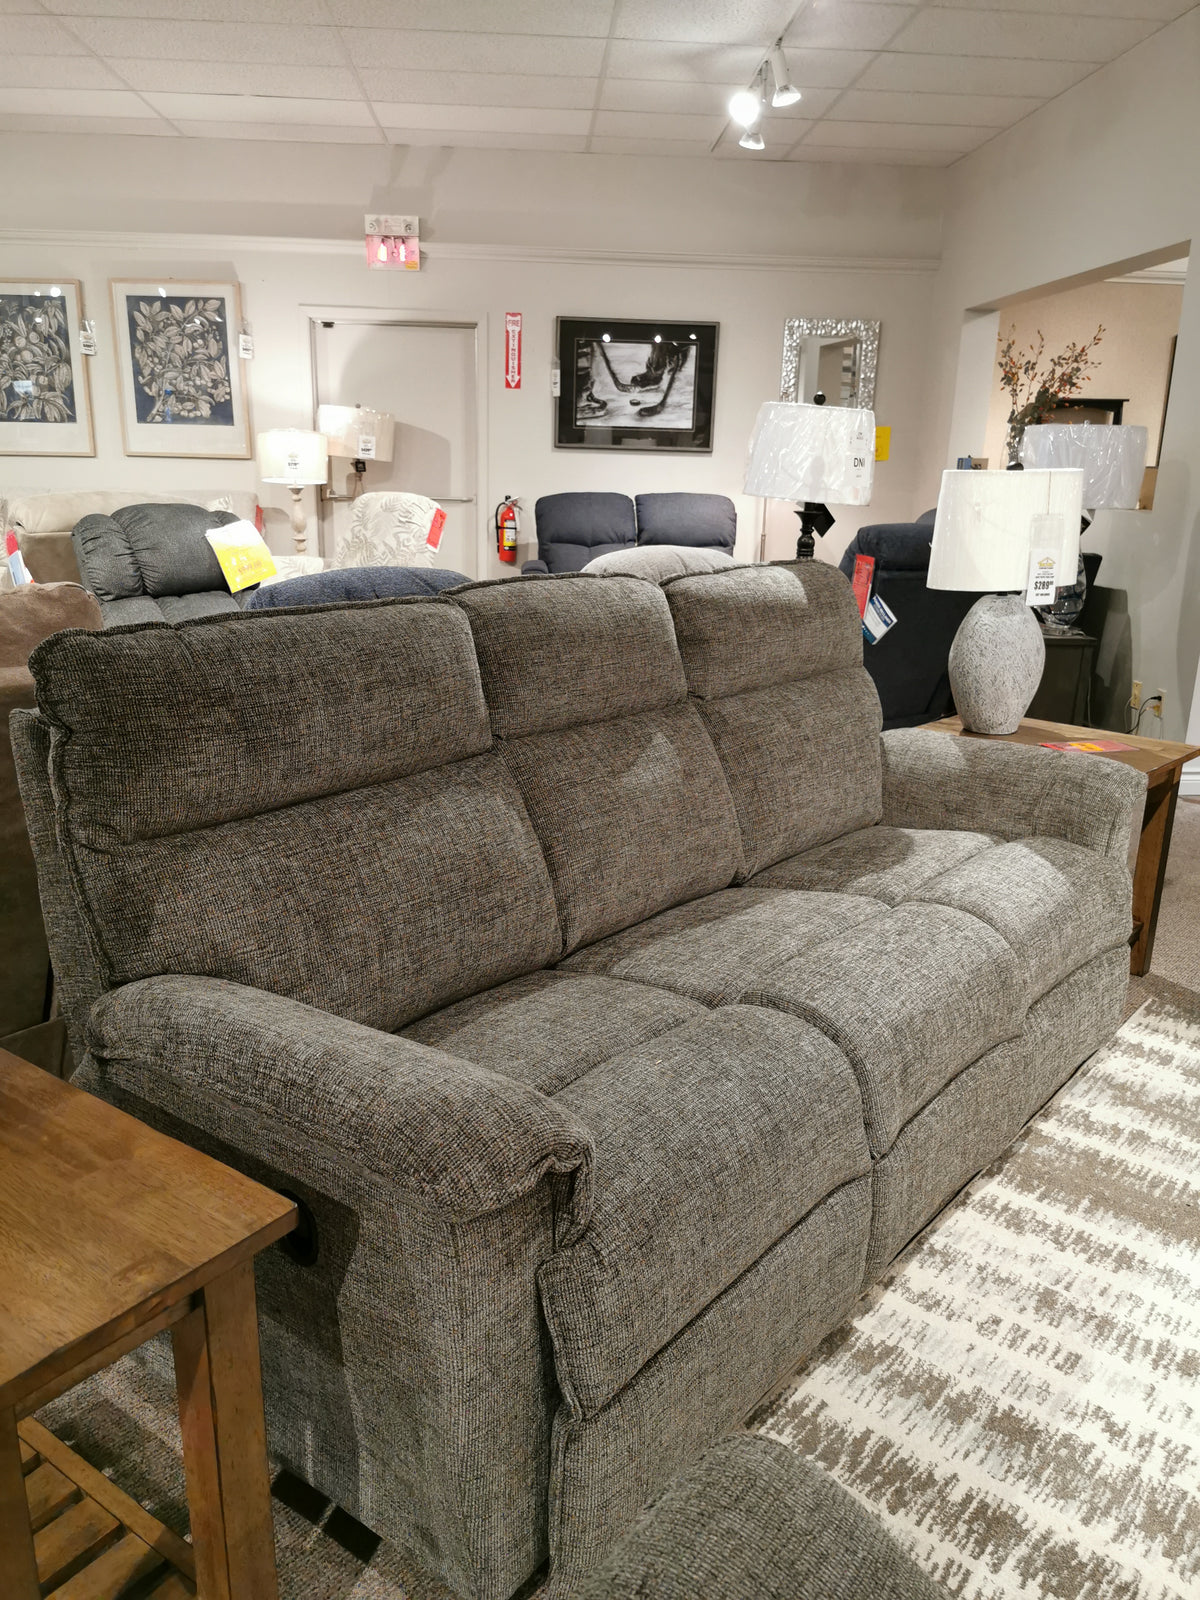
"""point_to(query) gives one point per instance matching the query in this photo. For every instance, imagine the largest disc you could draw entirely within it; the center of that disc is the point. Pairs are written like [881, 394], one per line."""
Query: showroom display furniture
[342, 584]
[387, 528]
[616, 1001]
[574, 529]
[43, 522]
[152, 563]
[113, 1233]
[27, 1027]
[909, 664]
[1162, 761]
[752, 1520]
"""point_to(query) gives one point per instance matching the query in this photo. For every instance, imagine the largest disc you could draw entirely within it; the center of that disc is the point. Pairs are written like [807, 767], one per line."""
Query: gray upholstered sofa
[617, 1002]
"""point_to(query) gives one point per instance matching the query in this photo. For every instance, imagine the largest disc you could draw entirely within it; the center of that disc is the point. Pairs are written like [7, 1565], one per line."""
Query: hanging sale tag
[863, 455]
[512, 349]
[246, 346]
[87, 339]
[1042, 580]
[366, 447]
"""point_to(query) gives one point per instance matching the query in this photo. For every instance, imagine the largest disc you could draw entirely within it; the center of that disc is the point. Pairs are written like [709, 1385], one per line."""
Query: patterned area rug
[1020, 1398]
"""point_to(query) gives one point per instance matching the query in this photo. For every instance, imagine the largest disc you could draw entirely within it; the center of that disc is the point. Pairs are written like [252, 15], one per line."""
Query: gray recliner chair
[152, 563]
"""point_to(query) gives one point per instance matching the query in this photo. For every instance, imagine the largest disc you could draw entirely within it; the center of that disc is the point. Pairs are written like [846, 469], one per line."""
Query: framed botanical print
[45, 402]
[178, 368]
[635, 385]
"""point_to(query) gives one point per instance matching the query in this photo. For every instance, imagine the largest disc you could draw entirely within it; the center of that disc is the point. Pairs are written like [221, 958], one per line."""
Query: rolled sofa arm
[538, 566]
[934, 780]
[440, 1131]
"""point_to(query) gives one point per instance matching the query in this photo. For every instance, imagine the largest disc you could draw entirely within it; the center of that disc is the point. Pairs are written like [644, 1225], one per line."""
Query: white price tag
[246, 346]
[555, 380]
[87, 339]
[366, 447]
[863, 455]
[877, 619]
[1043, 581]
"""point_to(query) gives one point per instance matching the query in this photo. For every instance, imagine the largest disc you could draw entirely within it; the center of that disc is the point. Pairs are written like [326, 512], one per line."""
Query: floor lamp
[811, 454]
[298, 458]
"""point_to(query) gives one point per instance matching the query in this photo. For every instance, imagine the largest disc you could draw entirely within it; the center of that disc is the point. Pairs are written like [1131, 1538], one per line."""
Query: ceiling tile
[39, 36]
[635, 94]
[482, 119]
[652, 125]
[1019, 35]
[849, 26]
[148, 125]
[477, 88]
[290, 11]
[56, 72]
[614, 145]
[751, 22]
[209, 41]
[778, 138]
[967, 110]
[584, 18]
[689, 63]
[572, 142]
[240, 77]
[219, 108]
[897, 136]
[75, 103]
[893, 158]
[473, 52]
[281, 132]
[1160, 10]
[913, 74]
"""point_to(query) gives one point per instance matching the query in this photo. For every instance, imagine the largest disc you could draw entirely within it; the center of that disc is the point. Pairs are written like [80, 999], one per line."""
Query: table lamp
[356, 434]
[297, 458]
[811, 454]
[989, 526]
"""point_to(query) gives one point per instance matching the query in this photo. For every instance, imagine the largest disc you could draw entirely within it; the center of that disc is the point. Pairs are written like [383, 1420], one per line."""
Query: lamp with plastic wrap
[811, 454]
[358, 435]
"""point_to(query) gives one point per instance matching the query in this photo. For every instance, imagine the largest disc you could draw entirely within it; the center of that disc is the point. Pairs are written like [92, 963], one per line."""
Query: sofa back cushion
[773, 657]
[573, 528]
[706, 520]
[303, 801]
[587, 696]
[149, 550]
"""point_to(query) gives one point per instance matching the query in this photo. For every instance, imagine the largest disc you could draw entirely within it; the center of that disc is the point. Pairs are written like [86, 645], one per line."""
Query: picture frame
[45, 389]
[180, 376]
[616, 371]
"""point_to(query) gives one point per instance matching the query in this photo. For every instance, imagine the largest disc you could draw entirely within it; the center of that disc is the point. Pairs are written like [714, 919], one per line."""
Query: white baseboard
[1189, 783]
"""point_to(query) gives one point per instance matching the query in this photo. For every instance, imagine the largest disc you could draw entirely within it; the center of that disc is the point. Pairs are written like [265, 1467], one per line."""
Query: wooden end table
[109, 1233]
[1162, 760]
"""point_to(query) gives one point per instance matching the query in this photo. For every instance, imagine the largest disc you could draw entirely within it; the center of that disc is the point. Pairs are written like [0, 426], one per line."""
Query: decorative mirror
[835, 358]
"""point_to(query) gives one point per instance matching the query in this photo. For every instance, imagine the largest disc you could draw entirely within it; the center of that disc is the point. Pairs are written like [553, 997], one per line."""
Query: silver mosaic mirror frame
[797, 329]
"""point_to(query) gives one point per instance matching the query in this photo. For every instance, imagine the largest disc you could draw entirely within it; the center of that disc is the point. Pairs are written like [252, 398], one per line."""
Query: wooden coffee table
[1162, 760]
[109, 1233]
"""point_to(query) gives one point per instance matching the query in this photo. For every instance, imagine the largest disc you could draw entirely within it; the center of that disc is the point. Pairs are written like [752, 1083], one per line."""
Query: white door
[424, 374]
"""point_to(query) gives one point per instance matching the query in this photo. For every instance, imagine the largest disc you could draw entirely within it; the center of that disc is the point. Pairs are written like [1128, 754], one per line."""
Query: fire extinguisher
[508, 526]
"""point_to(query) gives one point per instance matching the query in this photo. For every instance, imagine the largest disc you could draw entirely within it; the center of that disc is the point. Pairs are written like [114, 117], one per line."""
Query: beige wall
[1103, 176]
[1139, 320]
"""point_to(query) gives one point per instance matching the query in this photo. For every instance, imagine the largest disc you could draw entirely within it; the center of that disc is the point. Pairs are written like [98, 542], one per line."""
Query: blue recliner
[575, 528]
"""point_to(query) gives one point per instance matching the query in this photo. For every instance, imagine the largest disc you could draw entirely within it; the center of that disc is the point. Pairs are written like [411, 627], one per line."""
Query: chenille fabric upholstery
[776, 669]
[753, 1518]
[888, 864]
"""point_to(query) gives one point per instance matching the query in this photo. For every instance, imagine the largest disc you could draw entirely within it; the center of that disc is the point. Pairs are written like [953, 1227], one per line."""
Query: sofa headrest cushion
[150, 549]
[162, 729]
[749, 627]
[587, 518]
[574, 650]
[708, 520]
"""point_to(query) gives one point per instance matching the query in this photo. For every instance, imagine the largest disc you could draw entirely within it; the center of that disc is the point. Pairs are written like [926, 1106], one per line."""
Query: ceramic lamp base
[996, 663]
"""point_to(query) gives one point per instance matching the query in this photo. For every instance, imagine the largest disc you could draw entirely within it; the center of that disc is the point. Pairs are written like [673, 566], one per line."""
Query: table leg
[1151, 867]
[18, 1567]
[218, 1375]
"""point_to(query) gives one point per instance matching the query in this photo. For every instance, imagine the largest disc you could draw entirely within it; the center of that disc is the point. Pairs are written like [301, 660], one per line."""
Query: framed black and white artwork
[635, 385]
[45, 401]
[183, 392]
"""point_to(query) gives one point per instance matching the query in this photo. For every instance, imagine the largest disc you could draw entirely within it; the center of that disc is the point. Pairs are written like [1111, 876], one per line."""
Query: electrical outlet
[1159, 698]
[1135, 699]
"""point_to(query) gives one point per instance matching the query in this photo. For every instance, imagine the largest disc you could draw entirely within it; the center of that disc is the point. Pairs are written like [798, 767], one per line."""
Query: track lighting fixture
[752, 140]
[785, 93]
[746, 106]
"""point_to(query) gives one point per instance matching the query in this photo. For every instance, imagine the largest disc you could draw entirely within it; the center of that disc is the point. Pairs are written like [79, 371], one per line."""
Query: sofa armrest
[536, 565]
[934, 780]
[441, 1132]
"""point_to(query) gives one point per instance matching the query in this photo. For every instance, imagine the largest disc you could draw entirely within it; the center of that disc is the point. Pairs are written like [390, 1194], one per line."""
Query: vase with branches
[1035, 390]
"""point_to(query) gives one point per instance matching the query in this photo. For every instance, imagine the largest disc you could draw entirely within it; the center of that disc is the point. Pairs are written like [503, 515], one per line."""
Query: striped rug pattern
[1020, 1398]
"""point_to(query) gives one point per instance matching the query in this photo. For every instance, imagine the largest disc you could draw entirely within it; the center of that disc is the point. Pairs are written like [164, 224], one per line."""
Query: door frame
[386, 317]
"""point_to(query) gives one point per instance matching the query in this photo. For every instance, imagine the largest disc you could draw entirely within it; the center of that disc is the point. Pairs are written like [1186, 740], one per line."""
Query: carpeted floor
[1020, 1398]
[1177, 943]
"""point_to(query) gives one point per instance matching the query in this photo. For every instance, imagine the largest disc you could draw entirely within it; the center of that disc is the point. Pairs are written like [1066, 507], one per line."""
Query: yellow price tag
[883, 443]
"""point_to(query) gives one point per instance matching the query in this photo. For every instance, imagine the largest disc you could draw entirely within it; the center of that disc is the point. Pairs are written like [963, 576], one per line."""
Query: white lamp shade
[292, 456]
[989, 523]
[802, 452]
[1113, 459]
[356, 433]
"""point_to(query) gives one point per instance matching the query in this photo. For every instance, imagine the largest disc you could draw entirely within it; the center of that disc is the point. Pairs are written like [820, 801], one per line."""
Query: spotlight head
[751, 140]
[745, 107]
[786, 94]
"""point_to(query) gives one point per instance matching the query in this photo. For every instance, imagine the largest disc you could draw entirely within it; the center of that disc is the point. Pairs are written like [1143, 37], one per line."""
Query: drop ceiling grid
[918, 81]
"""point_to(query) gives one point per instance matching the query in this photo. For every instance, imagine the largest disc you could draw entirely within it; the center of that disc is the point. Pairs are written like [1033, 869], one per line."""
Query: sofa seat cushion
[712, 1142]
[549, 1028]
[1055, 904]
[713, 949]
[911, 997]
[889, 864]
